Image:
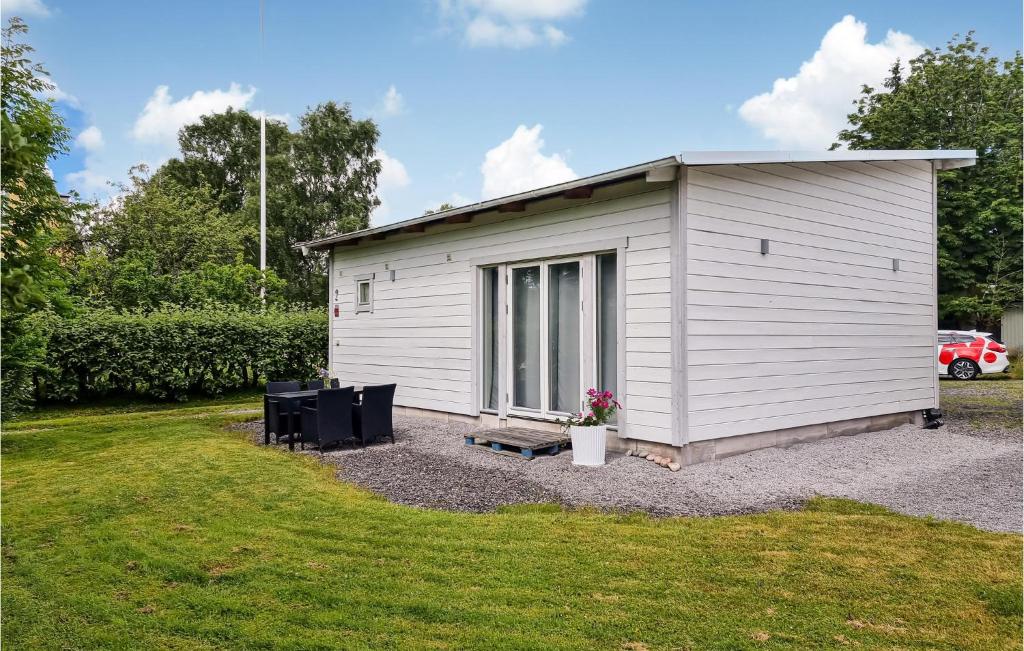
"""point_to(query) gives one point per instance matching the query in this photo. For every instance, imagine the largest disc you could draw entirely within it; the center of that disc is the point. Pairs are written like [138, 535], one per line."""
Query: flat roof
[947, 159]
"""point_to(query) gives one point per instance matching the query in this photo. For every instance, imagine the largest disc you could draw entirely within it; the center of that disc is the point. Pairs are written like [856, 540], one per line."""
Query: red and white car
[964, 355]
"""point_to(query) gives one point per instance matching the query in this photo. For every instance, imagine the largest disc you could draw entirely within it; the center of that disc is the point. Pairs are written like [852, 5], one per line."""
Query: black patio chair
[372, 416]
[330, 422]
[283, 386]
[315, 384]
[335, 383]
[272, 423]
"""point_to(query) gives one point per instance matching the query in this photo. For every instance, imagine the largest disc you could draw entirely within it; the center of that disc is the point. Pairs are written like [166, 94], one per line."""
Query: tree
[164, 243]
[222, 153]
[180, 226]
[321, 179]
[32, 134]
[33, 213]
[443, 207]
[960, 98]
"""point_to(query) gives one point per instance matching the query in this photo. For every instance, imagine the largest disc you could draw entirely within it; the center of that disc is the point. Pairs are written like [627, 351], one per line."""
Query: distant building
[1011, 328]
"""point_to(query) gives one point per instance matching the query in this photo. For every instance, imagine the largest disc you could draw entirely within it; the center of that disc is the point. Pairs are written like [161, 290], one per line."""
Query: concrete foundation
[698, 451]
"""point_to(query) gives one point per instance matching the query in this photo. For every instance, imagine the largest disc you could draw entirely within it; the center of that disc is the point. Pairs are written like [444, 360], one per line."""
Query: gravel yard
[969, 470]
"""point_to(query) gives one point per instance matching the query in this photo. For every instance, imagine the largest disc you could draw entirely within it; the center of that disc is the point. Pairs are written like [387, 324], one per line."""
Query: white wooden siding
[419, 334]
[820, 329]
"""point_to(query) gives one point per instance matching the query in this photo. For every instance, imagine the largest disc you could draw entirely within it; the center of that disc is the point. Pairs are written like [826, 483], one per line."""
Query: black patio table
[294, 400]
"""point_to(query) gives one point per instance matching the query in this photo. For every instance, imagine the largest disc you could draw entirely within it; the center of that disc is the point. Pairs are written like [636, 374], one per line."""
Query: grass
[159, 529]
[994, 403]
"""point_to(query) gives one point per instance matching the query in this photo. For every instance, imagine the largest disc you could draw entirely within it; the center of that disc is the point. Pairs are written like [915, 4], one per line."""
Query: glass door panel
[526, 330]
[607, 323]
[490, 338]
[563, 349]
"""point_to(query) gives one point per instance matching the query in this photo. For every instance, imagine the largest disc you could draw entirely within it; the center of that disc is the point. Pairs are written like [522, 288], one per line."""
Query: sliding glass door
[544, 329]
[548, 331]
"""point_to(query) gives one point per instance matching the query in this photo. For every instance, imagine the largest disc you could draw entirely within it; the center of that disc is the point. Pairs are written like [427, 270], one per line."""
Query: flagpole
[263, 179]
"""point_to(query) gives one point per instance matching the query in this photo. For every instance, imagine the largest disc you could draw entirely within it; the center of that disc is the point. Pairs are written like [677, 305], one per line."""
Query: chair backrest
[282, 387]
[377, 403]
[314, 384]
[334, 414]
[335, 383]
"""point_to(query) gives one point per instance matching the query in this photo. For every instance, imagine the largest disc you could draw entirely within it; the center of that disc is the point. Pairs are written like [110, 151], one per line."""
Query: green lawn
[160, 529]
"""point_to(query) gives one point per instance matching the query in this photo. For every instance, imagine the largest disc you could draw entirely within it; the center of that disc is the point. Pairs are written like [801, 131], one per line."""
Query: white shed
[732, 300]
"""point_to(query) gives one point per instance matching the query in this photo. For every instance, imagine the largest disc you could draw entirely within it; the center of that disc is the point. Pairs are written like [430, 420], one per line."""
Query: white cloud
[57, 94]
[808, 109]
[392, 103]
[511, 23]
[162, 117]
[392, 172]
[88, 182]
[517, 165]
[25, 8]
[459, 200]
[522, 10]
[554, 36]
[393, 176]
[287, 118]
[90, 139]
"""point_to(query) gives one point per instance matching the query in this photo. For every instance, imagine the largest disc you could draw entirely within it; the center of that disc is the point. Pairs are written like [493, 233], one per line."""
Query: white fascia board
[948, 158]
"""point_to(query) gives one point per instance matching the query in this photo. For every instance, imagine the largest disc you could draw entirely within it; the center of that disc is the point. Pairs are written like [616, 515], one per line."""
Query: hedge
[173, 354]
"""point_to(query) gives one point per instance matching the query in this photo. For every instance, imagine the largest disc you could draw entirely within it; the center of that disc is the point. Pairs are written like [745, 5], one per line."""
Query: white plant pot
[588, 444]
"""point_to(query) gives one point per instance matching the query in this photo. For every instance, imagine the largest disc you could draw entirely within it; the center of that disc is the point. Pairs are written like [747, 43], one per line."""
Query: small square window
[364, 295]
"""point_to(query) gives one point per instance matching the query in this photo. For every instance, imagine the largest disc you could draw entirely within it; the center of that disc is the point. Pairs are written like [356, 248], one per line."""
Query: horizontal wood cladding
[419, 333]
[820, 328]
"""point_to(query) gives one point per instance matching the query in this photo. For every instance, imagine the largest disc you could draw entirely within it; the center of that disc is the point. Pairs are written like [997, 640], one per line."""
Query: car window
[945, 339]
[965, 339]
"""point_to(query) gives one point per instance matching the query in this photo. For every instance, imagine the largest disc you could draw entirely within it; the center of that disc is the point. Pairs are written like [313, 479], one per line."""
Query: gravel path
[959, 472]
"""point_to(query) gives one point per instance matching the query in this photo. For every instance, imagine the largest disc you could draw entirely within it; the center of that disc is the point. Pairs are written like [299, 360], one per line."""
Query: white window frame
[586, 367]
[584, 248]
[480, 309]
[366, 279]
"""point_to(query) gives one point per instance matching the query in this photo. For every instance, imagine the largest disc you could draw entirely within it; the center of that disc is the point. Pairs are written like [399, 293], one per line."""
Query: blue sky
[478, 98]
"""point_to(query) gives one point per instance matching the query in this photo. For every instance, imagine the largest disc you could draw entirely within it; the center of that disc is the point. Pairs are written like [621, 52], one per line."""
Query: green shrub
[171, 354]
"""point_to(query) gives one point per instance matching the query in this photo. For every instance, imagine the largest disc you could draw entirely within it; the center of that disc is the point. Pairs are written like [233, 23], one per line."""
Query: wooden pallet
[527, 443]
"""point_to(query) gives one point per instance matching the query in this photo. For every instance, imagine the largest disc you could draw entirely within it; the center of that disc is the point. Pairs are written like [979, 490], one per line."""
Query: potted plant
[589, 428]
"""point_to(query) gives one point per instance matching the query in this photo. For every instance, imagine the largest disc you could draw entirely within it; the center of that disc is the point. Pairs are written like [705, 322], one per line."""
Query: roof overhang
[944, 158]
[578, 189]
[660, 170]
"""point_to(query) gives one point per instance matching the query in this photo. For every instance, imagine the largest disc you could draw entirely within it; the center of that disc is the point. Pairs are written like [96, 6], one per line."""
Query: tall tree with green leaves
[960, 98]
[32, 213]
[321, 179]
[222, 152]
[164, 242]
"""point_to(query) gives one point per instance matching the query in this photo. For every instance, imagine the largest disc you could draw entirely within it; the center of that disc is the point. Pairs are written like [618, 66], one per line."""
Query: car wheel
[964, 369]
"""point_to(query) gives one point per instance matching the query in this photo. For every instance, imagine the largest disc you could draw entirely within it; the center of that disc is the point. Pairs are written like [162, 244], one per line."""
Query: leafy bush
[176, 353]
